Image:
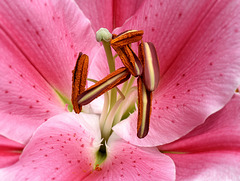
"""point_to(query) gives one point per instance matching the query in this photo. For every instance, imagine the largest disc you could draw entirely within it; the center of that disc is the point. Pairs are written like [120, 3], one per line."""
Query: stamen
[130, 60]
[126, 105]
[106, 131]
[126, 38]
[144, 109]
[79, 80]
[104, 110]
[110, 81]
[151, 73]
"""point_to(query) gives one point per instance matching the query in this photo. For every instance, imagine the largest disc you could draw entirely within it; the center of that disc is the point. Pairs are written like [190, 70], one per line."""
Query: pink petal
[50, 34]
[99, 66]
[9, 151]
[108, 14]
[63, 148]
[128, 162]
[27, 100]
[202, 76]
[221, 131]
[220, 165]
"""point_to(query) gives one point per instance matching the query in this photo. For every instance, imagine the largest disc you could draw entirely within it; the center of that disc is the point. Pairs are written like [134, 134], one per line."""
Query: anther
[126, 38]
[79, 80]
[148, 57]
[130, 60]
[144, 109]
[110, 81]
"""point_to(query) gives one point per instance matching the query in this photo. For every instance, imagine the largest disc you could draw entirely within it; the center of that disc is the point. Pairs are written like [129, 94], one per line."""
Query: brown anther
[130, 60]
[144, 109]
[126, 38]
[110, 81]
[148, 56]
[114, 36]
[79, 80]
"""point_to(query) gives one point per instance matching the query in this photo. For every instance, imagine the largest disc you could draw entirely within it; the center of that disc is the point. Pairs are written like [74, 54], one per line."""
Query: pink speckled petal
[50, 34]
[27, 100]
[201, 79]
[128, 162]
[108, 13]
[63, 149]
[9, 151]
[221, 131]
[218, 165]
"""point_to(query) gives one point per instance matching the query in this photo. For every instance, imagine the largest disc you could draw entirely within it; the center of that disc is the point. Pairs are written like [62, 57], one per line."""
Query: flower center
[119, 103]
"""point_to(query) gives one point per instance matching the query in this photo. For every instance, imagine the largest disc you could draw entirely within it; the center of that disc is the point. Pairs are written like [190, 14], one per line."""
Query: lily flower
[198, 49]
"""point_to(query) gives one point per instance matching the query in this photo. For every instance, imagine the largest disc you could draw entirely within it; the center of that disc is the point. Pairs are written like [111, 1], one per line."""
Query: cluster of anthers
[144, 67]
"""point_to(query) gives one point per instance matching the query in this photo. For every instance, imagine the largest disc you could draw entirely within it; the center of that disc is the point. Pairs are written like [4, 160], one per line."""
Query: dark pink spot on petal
[179, 15]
